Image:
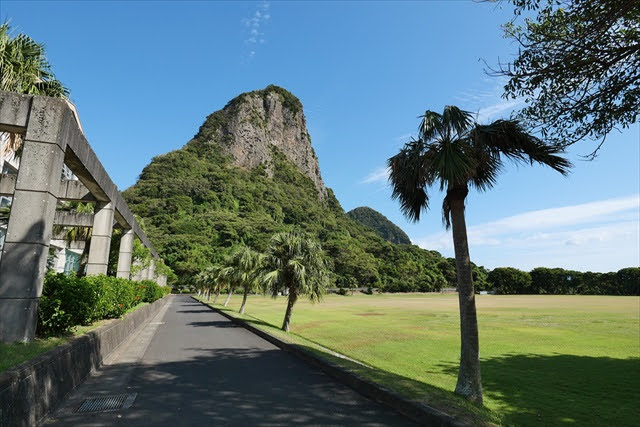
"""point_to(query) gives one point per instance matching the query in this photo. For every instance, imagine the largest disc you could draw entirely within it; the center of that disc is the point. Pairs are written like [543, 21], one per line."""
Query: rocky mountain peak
[253, 123]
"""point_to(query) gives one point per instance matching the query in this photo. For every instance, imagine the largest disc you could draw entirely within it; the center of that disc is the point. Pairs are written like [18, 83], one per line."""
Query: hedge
[68, 301]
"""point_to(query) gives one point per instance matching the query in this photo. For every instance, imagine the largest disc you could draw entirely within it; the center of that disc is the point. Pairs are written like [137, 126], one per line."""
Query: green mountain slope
[197, 202]
[381, 224]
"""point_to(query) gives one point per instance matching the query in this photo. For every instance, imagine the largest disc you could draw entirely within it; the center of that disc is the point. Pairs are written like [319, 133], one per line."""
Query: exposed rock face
[250, 125]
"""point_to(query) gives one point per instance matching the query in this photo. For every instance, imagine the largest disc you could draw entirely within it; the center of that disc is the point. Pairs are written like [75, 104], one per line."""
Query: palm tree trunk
[228, 296]
[293, 297]
[244, 300]
[217, 294]
[469, 381]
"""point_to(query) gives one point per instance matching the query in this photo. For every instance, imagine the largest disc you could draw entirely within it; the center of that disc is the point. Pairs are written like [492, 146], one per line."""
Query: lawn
[546, 360]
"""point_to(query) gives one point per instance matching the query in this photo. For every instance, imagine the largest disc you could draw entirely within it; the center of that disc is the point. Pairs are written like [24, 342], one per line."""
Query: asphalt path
[192, 366]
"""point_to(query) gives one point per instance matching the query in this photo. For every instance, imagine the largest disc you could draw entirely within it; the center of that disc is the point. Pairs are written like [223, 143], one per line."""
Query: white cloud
[497, 111]
[379, 175]
[605, 233]
[488, 103]
[254, 26]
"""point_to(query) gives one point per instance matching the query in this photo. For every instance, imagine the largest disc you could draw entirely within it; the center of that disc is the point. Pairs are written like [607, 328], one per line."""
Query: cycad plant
[455, 153]
[295, 263]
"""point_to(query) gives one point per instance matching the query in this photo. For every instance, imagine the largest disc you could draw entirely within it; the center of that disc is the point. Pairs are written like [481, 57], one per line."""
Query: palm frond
[510, 139]
[408, 180]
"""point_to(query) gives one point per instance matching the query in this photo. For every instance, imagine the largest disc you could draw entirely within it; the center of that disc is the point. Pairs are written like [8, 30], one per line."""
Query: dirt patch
[369, 314]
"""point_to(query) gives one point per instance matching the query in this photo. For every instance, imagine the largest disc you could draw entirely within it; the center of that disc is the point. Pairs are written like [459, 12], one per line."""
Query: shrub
[152, 291]
[52, 319]
[68, 301]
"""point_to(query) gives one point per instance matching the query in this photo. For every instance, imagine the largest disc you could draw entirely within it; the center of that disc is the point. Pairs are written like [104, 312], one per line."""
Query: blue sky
[144, 75]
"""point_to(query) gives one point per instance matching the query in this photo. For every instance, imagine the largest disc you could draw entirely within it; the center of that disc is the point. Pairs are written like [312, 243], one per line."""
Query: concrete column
[124, 256]
[24, 256]
[138, 275]
[100, 239]
[152, 270]
[162, 280]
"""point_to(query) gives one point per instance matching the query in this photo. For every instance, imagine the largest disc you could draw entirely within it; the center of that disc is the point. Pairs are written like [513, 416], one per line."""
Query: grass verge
[424, 393]
[12, 355]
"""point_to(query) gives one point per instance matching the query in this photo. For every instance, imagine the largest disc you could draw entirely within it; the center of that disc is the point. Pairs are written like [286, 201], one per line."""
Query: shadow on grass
[562, 389]
[438, 398]
[435, 397]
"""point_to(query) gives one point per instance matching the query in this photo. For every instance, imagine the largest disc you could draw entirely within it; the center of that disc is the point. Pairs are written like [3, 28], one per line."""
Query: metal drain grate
[108, 403]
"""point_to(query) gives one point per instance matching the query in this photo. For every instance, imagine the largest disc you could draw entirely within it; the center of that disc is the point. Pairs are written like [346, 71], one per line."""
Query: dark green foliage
[380, 224]
[196, 206]
[151, 291]
[558, 281]
[578, 66]
[507, 280]
[68, 301]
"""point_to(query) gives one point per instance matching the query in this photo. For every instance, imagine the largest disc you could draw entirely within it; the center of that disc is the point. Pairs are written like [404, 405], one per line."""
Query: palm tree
[455, 152]
[228, 276]
[296, 263]
[246, 265]
[24, 69]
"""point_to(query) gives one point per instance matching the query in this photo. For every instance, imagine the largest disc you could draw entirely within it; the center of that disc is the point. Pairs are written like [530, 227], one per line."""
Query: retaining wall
[30, 391]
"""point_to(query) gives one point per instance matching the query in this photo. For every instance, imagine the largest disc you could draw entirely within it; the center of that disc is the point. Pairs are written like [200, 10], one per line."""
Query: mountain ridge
[200, 200]
[380, 223]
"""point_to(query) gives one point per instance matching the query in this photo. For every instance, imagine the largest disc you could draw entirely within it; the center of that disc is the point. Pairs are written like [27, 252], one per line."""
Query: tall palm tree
[455, 152]
[246, 265]
[24, 69]
[295, 263]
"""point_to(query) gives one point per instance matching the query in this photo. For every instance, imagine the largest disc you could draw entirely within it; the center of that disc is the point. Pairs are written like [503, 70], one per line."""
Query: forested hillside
[199, 200]
[380, 223]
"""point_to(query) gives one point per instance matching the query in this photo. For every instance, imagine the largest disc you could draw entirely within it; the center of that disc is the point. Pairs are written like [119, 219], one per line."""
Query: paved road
[191, 366]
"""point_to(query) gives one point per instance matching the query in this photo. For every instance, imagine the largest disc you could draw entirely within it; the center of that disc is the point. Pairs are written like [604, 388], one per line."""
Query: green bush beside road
[68, 301]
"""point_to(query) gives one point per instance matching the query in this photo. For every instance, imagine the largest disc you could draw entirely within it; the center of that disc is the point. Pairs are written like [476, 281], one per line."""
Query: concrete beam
[14, 112]
[7, 184]
[73, 219]
[62, 126]
[70, 190]
[74, 191]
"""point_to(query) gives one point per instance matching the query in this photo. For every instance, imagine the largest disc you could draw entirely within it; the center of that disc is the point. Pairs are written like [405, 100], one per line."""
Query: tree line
[558, 281]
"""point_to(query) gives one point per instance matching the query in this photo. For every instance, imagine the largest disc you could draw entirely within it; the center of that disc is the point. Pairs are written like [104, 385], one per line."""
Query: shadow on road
[234, 386]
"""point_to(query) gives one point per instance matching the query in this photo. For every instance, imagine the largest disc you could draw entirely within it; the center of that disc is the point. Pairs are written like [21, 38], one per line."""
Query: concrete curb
[30, 391]
[416, 411]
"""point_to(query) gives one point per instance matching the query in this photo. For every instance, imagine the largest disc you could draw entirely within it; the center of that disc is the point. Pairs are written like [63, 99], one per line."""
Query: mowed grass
[546, 360]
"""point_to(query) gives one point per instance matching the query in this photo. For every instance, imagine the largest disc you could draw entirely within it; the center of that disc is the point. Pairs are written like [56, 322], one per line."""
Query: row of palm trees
[293, 265]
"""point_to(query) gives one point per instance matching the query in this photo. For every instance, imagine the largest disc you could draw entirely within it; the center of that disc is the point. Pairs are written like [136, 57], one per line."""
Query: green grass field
[546, 360]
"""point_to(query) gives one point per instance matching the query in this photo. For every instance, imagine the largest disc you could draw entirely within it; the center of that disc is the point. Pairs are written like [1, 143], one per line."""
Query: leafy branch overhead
[578, 67]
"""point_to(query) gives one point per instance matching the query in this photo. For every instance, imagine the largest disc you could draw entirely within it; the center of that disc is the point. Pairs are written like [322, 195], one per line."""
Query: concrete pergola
[52, 136]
